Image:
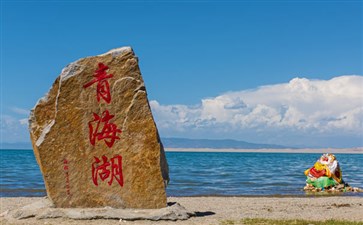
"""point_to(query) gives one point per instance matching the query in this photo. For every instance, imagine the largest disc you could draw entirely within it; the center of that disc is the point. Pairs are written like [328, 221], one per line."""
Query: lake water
[196, 174]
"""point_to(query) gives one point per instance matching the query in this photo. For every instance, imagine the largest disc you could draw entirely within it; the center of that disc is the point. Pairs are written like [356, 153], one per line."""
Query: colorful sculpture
[325, 173]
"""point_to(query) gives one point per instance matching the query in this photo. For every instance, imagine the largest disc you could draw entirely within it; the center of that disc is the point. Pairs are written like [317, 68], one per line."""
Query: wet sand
[215, 210]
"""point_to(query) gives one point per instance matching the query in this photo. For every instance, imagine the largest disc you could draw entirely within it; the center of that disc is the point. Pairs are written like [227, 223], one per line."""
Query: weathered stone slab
[95, 139]
[43, 210]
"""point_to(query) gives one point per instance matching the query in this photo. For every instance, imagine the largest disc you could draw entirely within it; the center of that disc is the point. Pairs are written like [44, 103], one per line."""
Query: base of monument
[44, 209]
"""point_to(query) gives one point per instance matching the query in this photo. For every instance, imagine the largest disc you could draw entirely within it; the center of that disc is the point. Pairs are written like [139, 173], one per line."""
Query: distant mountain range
[217, 144]
[182, 143]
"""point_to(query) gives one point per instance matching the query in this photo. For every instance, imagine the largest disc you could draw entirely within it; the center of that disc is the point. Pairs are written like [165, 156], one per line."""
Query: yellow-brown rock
[95, 139]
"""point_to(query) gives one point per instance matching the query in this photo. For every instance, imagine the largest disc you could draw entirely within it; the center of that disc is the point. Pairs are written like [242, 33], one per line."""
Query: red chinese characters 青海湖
[102, 128]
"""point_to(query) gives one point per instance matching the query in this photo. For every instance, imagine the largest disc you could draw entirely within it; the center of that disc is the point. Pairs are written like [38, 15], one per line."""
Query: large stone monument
[95, 139]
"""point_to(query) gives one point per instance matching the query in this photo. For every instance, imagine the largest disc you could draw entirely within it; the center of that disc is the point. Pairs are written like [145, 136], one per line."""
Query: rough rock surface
[95, 139]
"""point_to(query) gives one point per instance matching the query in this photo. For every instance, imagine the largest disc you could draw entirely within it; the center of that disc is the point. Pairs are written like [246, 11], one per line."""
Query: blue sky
[190, 52]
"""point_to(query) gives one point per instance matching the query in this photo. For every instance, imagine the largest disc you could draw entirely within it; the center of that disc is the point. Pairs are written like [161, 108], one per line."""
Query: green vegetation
[258, 221]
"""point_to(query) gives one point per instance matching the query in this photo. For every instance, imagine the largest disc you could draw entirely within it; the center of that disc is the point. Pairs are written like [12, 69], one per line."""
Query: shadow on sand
[197, 213]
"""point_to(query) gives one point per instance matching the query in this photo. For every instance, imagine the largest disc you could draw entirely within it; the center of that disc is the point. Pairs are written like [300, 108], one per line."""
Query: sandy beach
[216, 210]
[358, 150]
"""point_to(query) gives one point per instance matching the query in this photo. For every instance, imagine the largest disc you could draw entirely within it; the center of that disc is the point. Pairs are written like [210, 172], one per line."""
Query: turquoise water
[20, 174]
[195, 174]
[250, 173]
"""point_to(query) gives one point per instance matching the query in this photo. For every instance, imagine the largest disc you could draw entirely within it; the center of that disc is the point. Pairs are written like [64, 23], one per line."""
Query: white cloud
[13, 130]
[302, 107]
[301, 112]
[24, 121]
[14, 127]
[20, 111]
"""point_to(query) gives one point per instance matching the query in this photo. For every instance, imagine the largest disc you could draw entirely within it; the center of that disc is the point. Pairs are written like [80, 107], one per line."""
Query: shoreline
[358, 150]
[303, 195]
[215, 210]
[302, 150]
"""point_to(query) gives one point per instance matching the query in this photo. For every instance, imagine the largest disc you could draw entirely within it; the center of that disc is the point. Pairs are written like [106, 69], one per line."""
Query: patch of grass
[229, 222]
[258, 221]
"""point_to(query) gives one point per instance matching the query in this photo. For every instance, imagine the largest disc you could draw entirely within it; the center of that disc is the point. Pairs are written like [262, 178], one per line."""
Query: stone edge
[44, 209]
